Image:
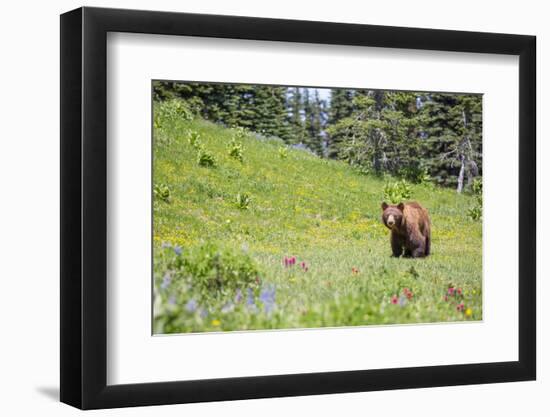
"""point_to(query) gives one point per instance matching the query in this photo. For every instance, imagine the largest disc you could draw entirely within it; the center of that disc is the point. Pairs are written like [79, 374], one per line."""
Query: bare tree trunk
[463, 145]
[460, 185]
[378, 105]
[376, 153]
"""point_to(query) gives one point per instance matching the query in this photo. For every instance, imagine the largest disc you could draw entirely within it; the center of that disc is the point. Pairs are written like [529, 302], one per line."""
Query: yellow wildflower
[216, 322]
[468, 312]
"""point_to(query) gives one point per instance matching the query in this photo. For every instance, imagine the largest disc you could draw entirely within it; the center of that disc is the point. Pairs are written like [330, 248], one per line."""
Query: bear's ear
[384, 205]
[401, 206]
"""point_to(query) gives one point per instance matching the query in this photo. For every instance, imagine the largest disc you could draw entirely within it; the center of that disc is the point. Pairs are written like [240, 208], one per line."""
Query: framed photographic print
[256, 208]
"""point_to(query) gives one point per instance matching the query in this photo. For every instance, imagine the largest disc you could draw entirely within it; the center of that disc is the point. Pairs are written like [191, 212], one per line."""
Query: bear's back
[416, 213]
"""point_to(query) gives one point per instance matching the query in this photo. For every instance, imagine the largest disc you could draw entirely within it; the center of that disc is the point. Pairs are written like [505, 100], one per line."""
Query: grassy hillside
[219, 261]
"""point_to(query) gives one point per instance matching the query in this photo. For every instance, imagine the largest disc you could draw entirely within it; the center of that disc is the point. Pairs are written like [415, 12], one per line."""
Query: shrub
[205, 272]
[283, 152]
[205, 158]
[239, 133]
[194, 139]
[416, 174]
[396, 192]
[215, 269]
[362, 169]
[236, 150]
[476, 211]
[477, 187]
[243, 201]
[169, 110]
[161, 192]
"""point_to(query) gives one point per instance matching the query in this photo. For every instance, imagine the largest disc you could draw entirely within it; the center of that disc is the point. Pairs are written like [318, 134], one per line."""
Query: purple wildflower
[203, 313]
[267, 297]
[250, 297]
[172, 300]
[191, 305]
[238, 296]
[166, 281]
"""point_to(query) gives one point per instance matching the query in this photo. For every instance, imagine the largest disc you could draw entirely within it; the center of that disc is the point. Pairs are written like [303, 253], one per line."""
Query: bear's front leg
[396, 245]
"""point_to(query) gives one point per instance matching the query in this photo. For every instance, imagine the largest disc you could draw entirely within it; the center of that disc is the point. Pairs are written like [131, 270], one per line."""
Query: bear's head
[392, 215]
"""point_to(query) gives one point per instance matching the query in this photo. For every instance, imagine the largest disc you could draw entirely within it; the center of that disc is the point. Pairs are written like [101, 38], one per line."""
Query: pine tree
[361, 136]
[270, 113]
[381, 134]
[314, 124]
[341, 104]
[403, 142]
[453, 138]
[295, 110]
[341, 107]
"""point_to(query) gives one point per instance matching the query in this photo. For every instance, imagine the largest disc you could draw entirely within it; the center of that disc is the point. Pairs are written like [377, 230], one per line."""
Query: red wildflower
[394, 299]
[289, 261]
[460, 307]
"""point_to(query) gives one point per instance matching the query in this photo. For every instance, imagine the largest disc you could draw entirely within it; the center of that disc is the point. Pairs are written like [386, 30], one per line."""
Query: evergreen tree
[361, 135]
[295, 109]
[381, 134]
[314, 124]
[403, 148]
[341, 107]
[453, 142]
[270, 113]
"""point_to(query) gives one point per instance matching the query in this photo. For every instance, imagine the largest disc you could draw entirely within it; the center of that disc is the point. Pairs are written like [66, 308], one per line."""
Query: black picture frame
[84, 207]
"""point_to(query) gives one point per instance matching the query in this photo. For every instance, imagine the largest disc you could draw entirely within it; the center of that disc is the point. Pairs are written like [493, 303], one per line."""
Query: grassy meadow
[273, 237]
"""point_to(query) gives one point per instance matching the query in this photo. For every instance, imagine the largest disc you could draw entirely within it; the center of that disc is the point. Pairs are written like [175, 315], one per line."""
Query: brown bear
[410, 229]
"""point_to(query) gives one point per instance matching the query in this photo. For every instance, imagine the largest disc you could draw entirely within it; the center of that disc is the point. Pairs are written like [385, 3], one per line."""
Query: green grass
[322, 212]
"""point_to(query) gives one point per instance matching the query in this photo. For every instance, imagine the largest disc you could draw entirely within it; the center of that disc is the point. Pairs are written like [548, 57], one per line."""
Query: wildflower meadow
[251, 233]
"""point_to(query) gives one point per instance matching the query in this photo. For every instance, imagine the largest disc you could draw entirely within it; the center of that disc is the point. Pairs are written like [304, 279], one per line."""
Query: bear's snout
[391, 221]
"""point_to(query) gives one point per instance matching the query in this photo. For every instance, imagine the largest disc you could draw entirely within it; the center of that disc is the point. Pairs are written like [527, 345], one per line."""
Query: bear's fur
[410, 229]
